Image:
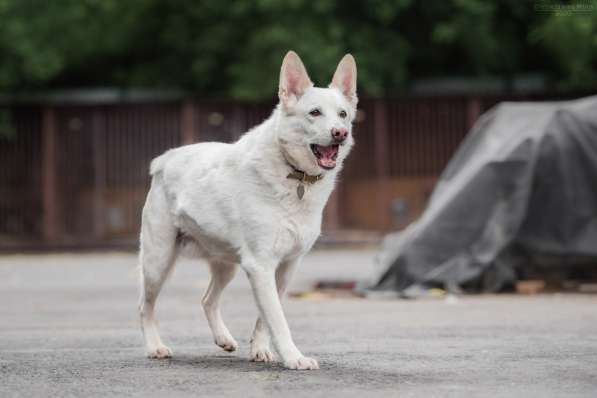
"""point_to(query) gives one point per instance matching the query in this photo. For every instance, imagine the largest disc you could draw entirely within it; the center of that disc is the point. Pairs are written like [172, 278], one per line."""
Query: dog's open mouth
[326, 155]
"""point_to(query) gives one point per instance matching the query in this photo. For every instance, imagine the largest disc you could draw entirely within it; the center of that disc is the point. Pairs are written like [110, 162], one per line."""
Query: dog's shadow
[218, 362]
[275, 371]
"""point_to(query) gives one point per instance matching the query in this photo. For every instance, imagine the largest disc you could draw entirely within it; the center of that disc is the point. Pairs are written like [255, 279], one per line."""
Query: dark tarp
[526, 178]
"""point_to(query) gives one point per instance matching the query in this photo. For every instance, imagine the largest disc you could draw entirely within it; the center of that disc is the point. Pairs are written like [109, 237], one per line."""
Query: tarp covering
[526, 178]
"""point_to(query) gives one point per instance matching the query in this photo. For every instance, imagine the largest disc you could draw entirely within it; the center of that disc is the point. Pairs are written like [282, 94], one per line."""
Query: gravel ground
[68, 327]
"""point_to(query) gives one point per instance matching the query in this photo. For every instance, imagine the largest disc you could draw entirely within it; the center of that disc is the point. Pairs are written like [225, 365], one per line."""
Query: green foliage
[572, 45]
[233, 48]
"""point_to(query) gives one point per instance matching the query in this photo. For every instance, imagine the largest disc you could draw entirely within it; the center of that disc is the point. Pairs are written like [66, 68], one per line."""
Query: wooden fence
[74, 175]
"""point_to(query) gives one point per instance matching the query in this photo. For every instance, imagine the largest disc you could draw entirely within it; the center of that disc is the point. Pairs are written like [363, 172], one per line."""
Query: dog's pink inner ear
[294, 79]
[345, 78]
[347, 83]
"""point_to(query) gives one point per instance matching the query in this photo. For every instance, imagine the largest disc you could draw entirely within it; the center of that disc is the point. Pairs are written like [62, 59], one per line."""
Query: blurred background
[92, 90]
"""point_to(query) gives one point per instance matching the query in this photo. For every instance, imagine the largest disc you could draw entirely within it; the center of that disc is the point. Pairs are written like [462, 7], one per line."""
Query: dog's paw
[227, 343]
[160, 352]
[261, 355]
[302, 363]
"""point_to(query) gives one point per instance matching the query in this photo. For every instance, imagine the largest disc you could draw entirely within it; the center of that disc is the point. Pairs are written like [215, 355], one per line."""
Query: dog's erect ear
[345, 79]
[293, 80]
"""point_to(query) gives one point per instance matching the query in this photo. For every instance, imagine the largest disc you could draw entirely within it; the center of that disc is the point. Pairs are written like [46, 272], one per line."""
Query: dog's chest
[295, 234]
[297, 225]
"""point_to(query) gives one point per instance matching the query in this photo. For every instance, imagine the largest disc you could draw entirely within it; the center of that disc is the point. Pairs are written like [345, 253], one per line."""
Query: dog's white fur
[235, 202]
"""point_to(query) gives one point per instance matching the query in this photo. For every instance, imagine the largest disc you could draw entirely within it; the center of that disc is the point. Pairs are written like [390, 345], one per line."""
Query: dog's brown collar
[304, 177]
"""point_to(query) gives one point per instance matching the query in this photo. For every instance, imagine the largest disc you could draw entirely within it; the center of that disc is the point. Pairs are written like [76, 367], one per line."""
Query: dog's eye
[342, 114]
[315, 112]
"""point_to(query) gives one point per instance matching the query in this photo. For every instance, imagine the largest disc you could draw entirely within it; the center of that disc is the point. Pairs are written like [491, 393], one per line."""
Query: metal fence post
[48, 172]
[332, 211]
[473, 111]
[188, 123]
[382, 165]
[99, 169]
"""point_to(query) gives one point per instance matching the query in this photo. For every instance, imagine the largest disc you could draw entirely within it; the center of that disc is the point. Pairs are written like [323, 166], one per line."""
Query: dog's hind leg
[221, 275]
[157, 257]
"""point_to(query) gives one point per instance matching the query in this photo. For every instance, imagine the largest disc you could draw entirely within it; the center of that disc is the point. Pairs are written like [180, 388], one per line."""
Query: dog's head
[315, 129]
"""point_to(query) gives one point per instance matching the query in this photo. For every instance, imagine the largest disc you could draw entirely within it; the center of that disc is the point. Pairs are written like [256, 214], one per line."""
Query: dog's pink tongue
[327, 155]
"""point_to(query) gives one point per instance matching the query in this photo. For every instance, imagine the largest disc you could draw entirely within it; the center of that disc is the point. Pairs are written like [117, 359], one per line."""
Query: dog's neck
[304, 177]
[298, 174]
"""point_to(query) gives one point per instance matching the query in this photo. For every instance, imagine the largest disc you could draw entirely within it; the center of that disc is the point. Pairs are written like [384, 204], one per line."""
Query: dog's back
[195, 156]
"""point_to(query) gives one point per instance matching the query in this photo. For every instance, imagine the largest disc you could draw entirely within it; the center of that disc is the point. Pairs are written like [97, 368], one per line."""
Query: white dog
[256, 203]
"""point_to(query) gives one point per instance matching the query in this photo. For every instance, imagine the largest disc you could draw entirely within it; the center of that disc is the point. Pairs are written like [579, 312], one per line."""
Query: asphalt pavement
[69, 328]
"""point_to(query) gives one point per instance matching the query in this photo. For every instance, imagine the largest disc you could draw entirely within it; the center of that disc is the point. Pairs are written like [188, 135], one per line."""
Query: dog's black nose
[339, 134]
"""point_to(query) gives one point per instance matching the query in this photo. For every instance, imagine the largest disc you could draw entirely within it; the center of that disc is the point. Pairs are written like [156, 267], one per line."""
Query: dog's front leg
[260, 341]
[263, 282]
